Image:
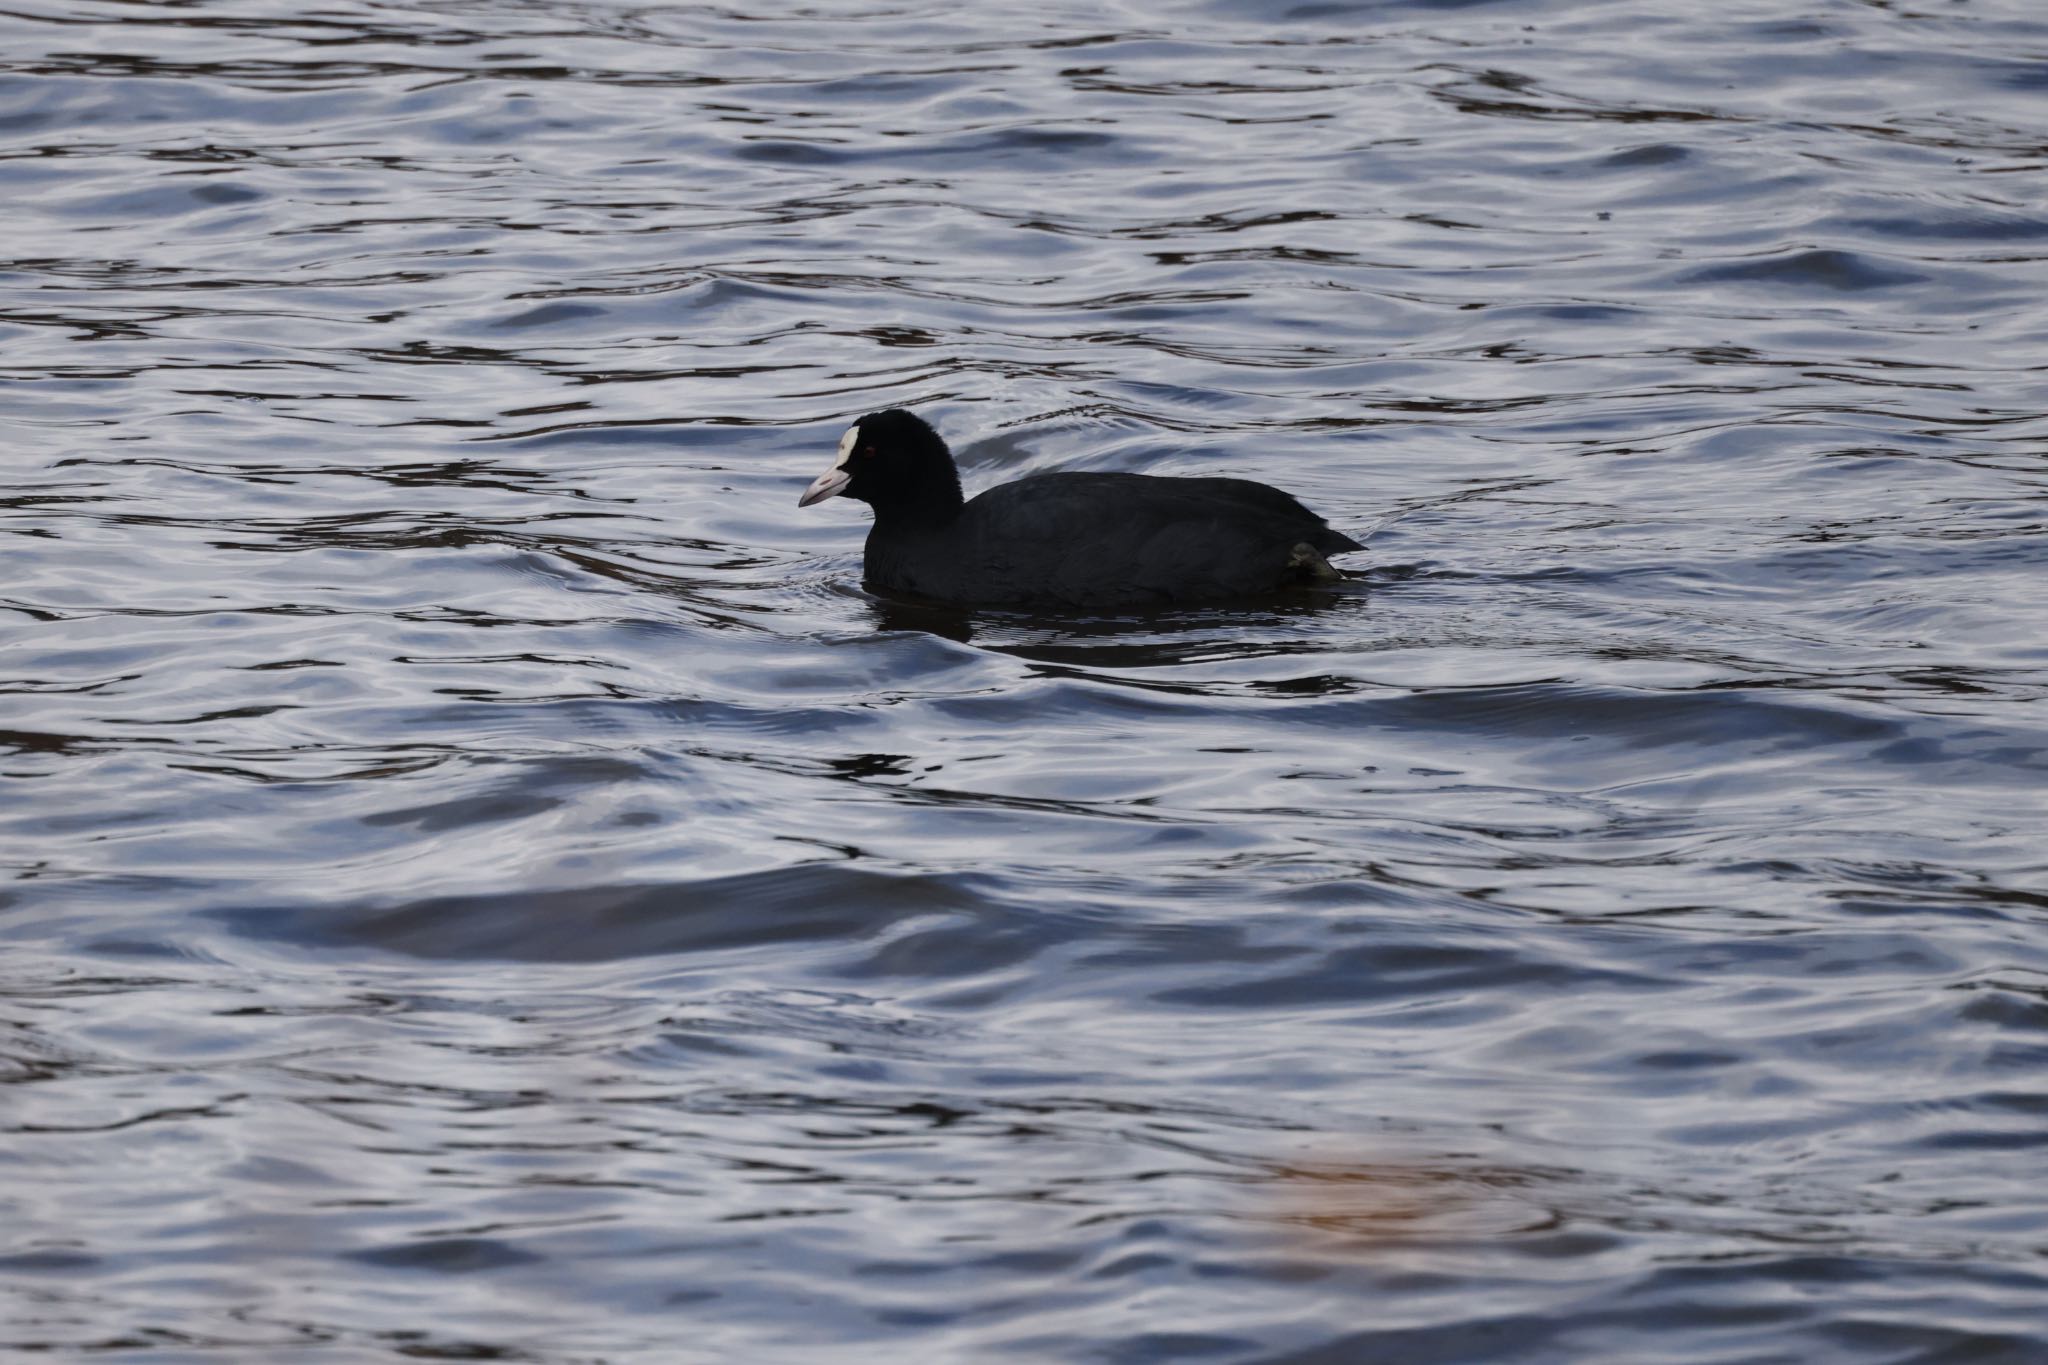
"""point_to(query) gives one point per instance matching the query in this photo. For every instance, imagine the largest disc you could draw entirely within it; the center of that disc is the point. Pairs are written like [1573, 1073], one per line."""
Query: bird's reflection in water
[933, 618]
[1263, 615]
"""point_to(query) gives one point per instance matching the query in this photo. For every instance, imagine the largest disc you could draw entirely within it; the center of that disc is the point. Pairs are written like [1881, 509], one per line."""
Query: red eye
[866, 451]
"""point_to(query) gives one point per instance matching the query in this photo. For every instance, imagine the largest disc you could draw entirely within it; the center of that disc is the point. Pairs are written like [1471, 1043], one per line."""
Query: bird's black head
[896, 464]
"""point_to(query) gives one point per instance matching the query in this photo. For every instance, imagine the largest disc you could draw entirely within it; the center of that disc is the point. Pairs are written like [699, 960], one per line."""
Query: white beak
[834, 480]
[826, 485]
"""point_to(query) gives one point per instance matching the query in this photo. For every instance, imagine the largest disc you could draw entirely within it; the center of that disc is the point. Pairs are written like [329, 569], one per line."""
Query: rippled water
[486, 883]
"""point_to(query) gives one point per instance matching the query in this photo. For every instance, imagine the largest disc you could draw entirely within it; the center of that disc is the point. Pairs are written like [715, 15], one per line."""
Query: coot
[1066, 540]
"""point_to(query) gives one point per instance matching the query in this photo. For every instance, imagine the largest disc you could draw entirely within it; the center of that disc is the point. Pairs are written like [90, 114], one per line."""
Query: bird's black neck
[930, 506]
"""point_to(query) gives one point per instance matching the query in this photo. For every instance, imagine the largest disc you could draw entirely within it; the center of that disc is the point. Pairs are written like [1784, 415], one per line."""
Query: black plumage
[1114, 541]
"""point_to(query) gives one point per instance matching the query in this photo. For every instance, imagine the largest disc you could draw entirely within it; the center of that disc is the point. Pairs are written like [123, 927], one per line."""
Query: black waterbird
[1113, 541]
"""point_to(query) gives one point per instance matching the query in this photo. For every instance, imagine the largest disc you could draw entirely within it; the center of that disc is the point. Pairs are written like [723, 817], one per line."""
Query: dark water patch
[1835, 269]
[783, 152]
[2024, 76]
[1986, 226]
[1593, 729]
[447, 1256]
[1650, 154]
[548, 314]
[49, 1263]
[2008, 1007]
[1382, 973]
[815, 903]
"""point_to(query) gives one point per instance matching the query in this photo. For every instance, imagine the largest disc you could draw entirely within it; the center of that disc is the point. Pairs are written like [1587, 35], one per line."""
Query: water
[485, 882]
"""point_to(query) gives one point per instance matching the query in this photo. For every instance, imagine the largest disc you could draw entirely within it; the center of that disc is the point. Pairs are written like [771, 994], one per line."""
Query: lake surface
[483, 881]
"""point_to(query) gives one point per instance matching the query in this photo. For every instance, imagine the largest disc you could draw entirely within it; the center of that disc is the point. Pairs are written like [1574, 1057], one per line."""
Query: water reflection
[1134, 640]
[1372, 1208]
[952, 623]
[475, 856]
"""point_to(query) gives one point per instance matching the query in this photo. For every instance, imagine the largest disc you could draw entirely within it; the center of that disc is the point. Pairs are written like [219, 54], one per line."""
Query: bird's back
[1108, 540]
